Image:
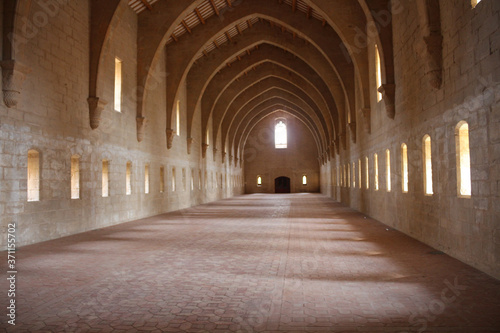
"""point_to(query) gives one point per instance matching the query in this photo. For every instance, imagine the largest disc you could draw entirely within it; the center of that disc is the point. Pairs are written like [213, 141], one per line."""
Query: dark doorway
[282, 185]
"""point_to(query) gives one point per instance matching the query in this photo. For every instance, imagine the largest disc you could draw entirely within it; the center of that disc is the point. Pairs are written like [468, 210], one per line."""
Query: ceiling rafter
[200, 17]
[186, 26]
[214, 6]
[147, 4]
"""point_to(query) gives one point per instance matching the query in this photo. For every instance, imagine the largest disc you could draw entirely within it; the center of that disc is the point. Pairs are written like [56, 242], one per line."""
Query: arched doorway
[282, 185]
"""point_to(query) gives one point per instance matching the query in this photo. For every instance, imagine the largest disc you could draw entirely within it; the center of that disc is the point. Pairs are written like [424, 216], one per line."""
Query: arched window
[118, 85]
[375, 166]
[199, 179]
[463, 160]
[33, 175]
[192, 180]
[388, 169]
[353, 174]
[378, 72]
[348, 175]
[128, 179]
[75, 177]
[304, 180]
[367, 174]
[474, 3]
[105, 178]
[205, 180]
[404, 168]
[146, 179]
[427, 159]
[280, 134]
[162, 179]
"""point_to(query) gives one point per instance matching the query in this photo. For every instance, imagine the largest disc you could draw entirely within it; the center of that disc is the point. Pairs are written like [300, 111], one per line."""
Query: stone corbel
[170, 138]
[352, 127]
[13, 76]
[141, 122]
[189, 144]
[366, 112]
[388, 92]
[215, 153]
[204, 148]
[96, 105]
[434, 56]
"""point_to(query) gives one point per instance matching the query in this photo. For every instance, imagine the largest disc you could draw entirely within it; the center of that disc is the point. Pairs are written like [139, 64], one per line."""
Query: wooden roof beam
[294, 5]
[309, 12]
[249, 22]
[214, 6]
[147, 4]
[229, 3]
[175, 38]
[197, 11]
[239, 29]
[228, 36]
[186, 26]
[216, 44]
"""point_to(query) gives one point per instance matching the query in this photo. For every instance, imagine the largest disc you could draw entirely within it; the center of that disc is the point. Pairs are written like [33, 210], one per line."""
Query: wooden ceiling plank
[309, 12]
[294, 5]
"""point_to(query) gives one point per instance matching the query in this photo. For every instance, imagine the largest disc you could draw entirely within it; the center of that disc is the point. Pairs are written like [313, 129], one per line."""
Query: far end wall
[264, 160]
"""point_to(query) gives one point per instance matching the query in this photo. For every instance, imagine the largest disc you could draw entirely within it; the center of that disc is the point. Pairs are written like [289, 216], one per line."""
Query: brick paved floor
[287, 263]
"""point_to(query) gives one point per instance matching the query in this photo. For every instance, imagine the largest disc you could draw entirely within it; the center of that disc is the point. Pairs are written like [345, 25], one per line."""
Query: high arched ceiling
[242, 60]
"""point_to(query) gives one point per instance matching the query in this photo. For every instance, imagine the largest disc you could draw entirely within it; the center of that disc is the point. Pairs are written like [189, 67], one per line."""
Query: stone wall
[52, 116]
[298, 159]
[465, 228]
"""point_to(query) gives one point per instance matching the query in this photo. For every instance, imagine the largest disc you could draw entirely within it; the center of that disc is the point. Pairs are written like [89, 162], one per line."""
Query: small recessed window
[359, 173]
[367, 174]
[304, 180]
[353, 174]
[33, 175]
[280, 135]
[173, 179]
[427, 158]
[192, 180]
[388, 170]
[199, 179]
[105, 179]
[146, 179]
[463, 160]
[162, 179]
[378, 72]
[404, 167]
[184, 179]
[128, 179]
[259, 181]
[375, 167]
[474, 3]
[118, 85]
[75, 177]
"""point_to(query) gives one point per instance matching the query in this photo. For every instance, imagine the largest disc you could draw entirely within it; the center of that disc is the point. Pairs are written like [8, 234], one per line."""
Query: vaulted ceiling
[244, 59]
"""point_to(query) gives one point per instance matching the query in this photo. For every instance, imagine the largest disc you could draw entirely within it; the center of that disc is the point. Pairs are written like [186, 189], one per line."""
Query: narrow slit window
[205, 180]
[280, 135]
[192, 180]
[388, 170]
[353, 174]
[33, 175]
[378, 73]
[348, 175]
[463, 160]
[199, 179]
[375, 167]
[367, 174]
[146, 179]
[128, 179]
[75, 177]
[162, 179]
[105, 179]
[404, 167]
[178, 118]
[173, 179]
[359, 173]
[427, 154]
[118, 85]
[304, 180]
[338, 176]
[184, 179]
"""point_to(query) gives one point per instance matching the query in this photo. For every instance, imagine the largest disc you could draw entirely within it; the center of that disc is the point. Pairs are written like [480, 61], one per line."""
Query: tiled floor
[287, 263]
